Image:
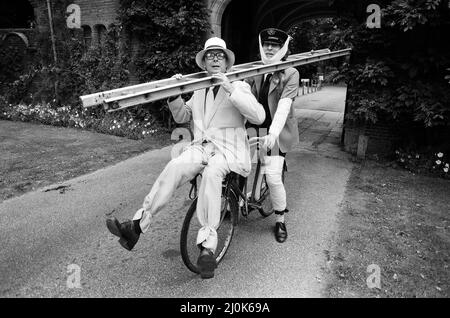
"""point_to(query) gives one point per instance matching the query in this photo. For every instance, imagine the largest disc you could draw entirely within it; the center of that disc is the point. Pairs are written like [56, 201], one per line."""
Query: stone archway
[239, 22]
[14, 48]
[17, 29]
[217, 8]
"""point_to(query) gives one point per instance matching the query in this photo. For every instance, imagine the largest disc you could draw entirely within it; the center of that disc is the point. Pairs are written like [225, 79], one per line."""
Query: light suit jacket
[283, 84]
[222, 121]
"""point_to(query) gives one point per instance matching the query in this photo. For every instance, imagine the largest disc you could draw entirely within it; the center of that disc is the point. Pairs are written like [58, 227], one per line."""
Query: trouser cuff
[281, 212]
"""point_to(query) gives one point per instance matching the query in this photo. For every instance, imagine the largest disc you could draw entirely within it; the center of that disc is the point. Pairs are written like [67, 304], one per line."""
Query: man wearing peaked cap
[220, 145]
[279, 131]
[274, 45]
[273, 35]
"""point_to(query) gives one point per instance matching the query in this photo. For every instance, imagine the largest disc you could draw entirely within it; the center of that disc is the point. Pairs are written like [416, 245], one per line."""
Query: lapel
[274, 81]
[212, 109]
[200, 103]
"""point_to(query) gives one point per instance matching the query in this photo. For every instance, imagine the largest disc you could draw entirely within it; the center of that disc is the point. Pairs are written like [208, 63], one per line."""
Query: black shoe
[206, 263]
[125, 230]
[280, 232]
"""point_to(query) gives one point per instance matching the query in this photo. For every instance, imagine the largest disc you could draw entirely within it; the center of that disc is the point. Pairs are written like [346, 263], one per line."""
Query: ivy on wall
[398, 73]
[79, 69]
[399, 69]
[169, 33]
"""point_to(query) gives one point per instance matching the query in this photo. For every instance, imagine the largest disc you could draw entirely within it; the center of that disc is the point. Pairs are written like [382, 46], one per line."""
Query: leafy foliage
[170, 33]
[398, 71]
[398, 75]
[437, 164]
[125, 124]
[79, 69]
[320, 34]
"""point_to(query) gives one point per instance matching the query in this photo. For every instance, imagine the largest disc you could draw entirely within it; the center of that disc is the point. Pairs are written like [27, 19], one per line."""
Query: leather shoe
[125, 230]
[280, 232]
[206, 263]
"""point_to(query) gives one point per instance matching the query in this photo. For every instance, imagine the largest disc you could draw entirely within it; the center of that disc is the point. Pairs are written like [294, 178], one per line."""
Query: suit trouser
[195, 159]
[273, 169]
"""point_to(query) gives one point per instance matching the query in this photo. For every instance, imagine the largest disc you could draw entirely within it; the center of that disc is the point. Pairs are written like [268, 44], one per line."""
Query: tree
[398, 71]
[170, 33]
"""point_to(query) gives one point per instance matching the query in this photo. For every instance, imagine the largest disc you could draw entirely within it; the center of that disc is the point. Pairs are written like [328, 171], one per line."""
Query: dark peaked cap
[273, 35]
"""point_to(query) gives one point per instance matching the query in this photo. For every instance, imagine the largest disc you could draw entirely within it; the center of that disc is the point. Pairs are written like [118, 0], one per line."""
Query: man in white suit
[220, 145]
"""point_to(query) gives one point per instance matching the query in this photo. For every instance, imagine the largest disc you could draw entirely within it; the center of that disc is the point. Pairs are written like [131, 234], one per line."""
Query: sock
[279, 218]
[137, 228]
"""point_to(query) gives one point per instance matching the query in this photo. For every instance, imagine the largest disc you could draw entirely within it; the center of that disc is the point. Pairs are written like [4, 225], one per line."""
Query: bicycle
[233, 200]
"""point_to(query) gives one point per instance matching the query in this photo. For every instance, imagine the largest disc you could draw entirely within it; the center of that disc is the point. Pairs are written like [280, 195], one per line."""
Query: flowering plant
[441, 163]
[436, 163]
[122, 124]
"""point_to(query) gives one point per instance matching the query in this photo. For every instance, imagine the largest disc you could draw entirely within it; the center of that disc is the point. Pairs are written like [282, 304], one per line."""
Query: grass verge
[397, 223]
[34, 155]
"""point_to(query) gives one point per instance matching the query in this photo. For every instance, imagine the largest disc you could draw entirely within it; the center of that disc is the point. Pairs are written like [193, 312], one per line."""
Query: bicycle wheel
[225, 231]
[266, 207]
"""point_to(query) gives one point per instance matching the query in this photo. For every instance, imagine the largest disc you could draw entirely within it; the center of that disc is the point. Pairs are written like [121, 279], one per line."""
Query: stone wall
[96, 16]
[103, 12]
[366, 140]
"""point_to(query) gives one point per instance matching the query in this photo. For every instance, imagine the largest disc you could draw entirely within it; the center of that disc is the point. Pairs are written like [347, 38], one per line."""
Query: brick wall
[41, 23]
[93, 13]
[368, 139]
[30, 35]
[384, 139]
[40, 14]
[381, 139]
[98, 11]
[97, 15]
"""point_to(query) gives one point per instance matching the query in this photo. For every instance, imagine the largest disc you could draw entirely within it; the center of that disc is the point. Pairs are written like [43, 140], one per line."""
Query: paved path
[320, 116]
[45, 231]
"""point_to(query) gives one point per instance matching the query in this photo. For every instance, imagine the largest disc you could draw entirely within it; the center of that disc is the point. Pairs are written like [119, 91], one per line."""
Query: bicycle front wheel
[188, 241]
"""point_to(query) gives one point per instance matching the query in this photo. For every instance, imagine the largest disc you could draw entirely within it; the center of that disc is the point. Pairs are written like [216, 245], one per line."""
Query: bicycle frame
[236, 201]
[252, 201]
[231, 183]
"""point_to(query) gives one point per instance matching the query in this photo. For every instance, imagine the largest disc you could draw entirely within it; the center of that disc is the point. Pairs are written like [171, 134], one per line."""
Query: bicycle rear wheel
[225, 231]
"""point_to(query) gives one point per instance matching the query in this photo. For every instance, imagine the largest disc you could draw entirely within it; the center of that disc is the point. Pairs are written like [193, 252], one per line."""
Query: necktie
[215, 90]
[265, 87]
[263, 99]
[210, 97]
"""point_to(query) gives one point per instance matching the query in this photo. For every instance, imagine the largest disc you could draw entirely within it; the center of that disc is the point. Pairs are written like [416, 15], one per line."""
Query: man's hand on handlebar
[266, 142]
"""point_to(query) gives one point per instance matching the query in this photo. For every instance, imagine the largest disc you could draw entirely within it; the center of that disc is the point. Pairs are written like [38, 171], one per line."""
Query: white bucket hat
[215, 43]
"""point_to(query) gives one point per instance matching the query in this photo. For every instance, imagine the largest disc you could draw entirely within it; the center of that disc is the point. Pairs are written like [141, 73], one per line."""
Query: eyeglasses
[212, 55]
